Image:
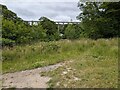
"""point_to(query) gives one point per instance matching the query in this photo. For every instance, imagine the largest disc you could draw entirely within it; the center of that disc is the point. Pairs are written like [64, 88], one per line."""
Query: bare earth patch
[28, 78]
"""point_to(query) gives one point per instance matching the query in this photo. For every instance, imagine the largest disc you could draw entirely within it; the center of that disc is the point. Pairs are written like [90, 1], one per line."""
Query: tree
[112, 11]
[9, 15]
[50, 27]
[100, 20]
[38, 32]
[15, 30]
[72, 32]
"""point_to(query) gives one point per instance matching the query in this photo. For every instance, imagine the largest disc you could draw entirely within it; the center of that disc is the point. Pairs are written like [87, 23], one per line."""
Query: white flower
[64, 72]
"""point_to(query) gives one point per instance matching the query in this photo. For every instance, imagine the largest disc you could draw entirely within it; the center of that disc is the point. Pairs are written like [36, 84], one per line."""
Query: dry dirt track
[28, 78]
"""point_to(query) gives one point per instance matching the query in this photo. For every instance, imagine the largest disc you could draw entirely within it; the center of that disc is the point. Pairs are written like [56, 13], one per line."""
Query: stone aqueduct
[57, 23]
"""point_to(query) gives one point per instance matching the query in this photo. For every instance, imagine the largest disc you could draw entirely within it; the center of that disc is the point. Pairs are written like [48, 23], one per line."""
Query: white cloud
[62, 18]
[39, 1]
[34, 9]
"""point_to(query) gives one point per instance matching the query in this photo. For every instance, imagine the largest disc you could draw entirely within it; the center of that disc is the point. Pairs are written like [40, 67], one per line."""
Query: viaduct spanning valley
[57, 22]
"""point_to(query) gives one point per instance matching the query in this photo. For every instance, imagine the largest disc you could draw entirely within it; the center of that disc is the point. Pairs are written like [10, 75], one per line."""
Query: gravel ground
[28, 78]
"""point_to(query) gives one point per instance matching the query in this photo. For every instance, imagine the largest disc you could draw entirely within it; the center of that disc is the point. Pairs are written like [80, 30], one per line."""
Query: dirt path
[28, 78]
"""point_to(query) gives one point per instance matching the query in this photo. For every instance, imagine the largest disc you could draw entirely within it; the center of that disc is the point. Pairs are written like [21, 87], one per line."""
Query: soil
[28, 78]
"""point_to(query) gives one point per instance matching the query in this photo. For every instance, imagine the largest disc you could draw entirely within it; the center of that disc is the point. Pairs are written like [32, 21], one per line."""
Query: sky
[57, 10]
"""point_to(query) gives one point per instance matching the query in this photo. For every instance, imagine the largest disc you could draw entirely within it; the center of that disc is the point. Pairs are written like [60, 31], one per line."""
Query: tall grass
[96, 66]
[46, 53]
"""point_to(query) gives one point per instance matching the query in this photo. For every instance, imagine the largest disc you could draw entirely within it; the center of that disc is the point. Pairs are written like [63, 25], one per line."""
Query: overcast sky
[58, 10]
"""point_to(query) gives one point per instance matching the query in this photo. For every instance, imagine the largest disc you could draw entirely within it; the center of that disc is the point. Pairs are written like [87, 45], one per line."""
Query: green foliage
[50, 27]
[84, 60]
[100, 20]
[72, 31]
[95, 63]
[8, 29]
[50, 48]
[15, 29]
[38, 33]
[9, 15]
[7, 42]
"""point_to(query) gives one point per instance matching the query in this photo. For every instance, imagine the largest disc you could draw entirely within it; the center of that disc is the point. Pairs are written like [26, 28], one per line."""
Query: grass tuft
[88, 63]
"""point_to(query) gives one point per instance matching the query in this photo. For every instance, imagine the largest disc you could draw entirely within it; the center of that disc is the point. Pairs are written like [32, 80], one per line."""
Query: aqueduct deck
[57, 22]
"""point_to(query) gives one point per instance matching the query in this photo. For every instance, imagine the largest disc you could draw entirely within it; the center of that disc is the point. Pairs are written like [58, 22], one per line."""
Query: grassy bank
[41, 54]
[87, 56]
[96, 66]
[90, 63]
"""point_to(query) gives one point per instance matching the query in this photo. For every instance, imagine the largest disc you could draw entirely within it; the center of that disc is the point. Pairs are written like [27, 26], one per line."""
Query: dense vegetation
[98, 20]
[88, 63]
[16, 31]
[91, 63]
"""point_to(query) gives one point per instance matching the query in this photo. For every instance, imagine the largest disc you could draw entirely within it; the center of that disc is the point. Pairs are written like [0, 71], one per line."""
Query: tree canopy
[100, 20]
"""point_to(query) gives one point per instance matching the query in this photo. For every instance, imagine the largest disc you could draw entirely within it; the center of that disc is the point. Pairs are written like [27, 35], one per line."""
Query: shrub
[7, 42]
[72, 31]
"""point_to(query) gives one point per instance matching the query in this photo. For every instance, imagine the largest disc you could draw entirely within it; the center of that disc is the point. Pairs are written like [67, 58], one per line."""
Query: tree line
[16, 31]
[98, 20]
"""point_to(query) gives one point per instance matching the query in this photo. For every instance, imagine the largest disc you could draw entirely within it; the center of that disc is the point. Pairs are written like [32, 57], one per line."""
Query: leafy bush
[100, 20]
[50, 27]
[7, 42]
[17, 30]
[72, 31]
